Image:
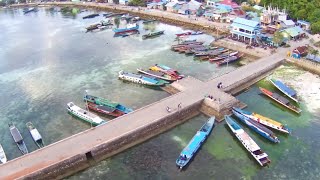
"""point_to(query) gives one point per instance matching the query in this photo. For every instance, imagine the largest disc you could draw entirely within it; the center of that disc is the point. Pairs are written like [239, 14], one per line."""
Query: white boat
[36, 136]
[140, 79]
[3, 157]
[252, 147]
[84, 115]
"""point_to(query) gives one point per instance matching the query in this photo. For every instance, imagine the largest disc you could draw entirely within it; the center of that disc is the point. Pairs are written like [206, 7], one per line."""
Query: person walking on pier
[168, 109]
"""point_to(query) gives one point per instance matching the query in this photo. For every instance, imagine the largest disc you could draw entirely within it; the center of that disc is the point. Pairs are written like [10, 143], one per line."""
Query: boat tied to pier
[230, 59]
[165, 69]
[280, 99]
[3, 157]
[84, 115]
[152, 34]
[140, 79]
[292, 94]
[18, 139]
[255, 126]
[251, 146]
[36, 136]
[157, 74]
[195, 143]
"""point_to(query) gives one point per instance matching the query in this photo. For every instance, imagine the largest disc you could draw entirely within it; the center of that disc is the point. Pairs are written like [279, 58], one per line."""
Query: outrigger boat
[3, 157]
[194, 145]
[264, 121]
[140, 79]
[251, 146]
[258, 128]
[292, 94]
[84, 115]
[157, 74]
[18, 139]
[281, 100]
[153, 34]
[165, 69]
[35, 135]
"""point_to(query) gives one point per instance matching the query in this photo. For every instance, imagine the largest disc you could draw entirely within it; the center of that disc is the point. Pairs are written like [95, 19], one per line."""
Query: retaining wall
[305, 64]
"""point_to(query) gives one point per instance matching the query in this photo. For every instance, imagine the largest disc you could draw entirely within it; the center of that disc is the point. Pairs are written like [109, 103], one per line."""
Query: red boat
[105, 110]
[279, 99]
[184, 34]
[216, 59]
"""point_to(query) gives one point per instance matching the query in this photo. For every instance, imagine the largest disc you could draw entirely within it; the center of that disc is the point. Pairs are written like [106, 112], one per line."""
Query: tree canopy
[308, 10]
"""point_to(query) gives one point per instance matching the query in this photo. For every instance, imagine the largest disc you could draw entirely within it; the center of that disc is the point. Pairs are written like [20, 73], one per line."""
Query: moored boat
[169, 71]
[35, 135]
[157, 74]
[84, 115]
[18, 139]
[229, 59]
[3, 157]
[111, 111]
[26, 11]
[140, 79]
[184, 34]
[152, 34]
[108, 103]
[279, 99]
[195, 143]
[251, 146]
[129, 27]
[90, 16]
[258, 128]
[197, 33]
[216, 59]
[149, 21]
[292, 94]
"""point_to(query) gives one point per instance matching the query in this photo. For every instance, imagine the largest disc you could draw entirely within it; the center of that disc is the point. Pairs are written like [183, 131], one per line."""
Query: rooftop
[246, 22]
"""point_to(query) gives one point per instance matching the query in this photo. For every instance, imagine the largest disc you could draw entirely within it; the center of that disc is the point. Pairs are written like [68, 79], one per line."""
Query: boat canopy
[285, 88]
[194, 143]
[35, 134]
[280, 98]
[16, 134]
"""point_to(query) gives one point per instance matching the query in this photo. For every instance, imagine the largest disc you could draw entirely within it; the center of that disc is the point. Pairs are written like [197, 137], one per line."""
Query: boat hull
[119, 30]
[282, 90]
[115, 113]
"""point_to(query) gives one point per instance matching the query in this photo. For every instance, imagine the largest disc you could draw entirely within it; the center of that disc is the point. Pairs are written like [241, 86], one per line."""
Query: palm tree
[314, 52]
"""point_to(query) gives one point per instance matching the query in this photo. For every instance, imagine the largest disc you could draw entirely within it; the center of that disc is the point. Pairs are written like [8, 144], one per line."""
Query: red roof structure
[301, 50]
[230, 3]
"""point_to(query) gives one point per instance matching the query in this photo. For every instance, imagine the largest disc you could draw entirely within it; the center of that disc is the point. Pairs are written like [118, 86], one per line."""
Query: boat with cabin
[129, 27]
[195, 143]
[3, 157]
[36, 136]
[280, 99]
[140, 79]
[18, 139]
[108, 103]
[292, 94]
[251, 146]
[152, 34]
[84, 115]
[157, 74]
[255, 126]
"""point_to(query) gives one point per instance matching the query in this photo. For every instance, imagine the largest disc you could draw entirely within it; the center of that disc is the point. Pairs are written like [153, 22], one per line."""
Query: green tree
[315, 27]
[278, 38]
[137, 3]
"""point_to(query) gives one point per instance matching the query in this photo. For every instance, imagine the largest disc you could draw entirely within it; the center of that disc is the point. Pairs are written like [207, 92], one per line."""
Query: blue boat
[292, 94]
[28, 10]
[130, 27]
[141, 79]
[258, 128]
[190, 150]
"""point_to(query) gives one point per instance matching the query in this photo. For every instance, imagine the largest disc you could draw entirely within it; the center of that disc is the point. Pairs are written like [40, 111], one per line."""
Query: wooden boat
[197, 33]
[105, 109]
[211, 52]
[149, 21]
[167, 70]
[129, 27]
[229, 59]
[35, 135]
[90, 16]
[84, 115]
[216, 59]
[251, 146]
[93, 27]
[3, 157]
[28, 10]
[292, 94]
[18, 139]
[269, 122]
[184, 34]
[258, 128]
[105, 102]
[153, 34]
[194, 145]
[279, 99]
[140, 79]
[157, 74]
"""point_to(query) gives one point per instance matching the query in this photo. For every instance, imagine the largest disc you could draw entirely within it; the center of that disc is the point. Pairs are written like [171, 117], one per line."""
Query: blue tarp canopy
[284, 88]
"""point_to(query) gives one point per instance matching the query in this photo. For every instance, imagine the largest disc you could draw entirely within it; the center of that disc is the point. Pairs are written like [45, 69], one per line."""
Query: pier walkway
[192, 92]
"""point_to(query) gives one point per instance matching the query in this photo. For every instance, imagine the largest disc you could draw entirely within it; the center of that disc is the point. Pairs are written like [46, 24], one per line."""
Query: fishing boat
[251, 146]
[152, 34]
[184, 34]
[108, 103]
[18, 139]
[229, 59]
[196, 142]
[149, 21]
[197, 33]
[93, 27]
[28, 10]
[105, 109]
[258, 128]
[35, 135]
[165, 69]
[84, 115]
[90, 16]
[129, 27]
[280, 99]
[157, 74]
[105, 23]
[140, 79]
[3, 157]
[216, 59]
[292, 94]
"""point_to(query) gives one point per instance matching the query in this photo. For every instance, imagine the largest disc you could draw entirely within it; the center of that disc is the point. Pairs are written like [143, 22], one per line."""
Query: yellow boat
[269, 122]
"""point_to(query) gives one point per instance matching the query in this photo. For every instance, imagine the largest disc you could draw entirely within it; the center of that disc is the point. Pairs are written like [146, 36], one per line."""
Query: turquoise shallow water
[47, 60]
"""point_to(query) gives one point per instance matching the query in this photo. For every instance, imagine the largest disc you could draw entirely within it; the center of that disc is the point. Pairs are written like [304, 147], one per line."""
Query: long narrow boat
[105, 102]
[84, 115]
[251, 146]
[190, 150]
[281, 100]
[258, 128]
[157, 74]
[165, 69]
[184, 34]
[3, 157]
[149, 21]
[292, 94]
[129, 27]
[152, 34]
[18, 139]
[229, 59]
[140, 79]
[105, 110]
[90, 16]
[264, 120]
[36, 136]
